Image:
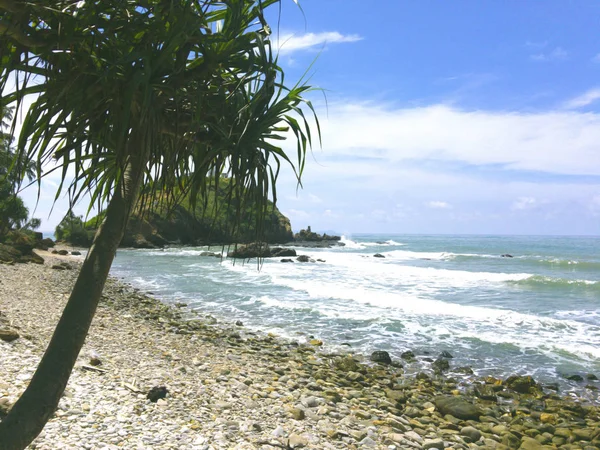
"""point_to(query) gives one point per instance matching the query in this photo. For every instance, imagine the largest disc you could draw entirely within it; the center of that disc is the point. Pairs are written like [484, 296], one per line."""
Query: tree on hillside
[165, 95]
[13, 212]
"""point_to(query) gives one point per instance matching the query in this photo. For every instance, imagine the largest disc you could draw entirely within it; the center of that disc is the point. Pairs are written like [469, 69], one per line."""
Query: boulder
[4, 407]
[574, 377]
[521, 384]
[408, 355]
[381, 357]
[446, 354]
[47, 242]
[378, 255]
[278, 252]
[303, 258]
[441, 365]
[458, 407]
[287, 260]
[62, 252]
[8, 335]
[253, 250]
[76, 253]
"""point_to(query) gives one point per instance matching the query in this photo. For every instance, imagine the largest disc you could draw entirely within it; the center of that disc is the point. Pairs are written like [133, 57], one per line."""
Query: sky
[462, 117]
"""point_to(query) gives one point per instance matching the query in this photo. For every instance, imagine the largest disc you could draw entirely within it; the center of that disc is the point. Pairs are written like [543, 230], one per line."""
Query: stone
[458, 407]
[441, 365]
[381, 357]
[303, 258]
[433, 443]
[408, 355]
[297, 441]
[287, 260]
[510, 440]
[368, 442]
[297, 413]
[378, 255]
[278, 432]
[521, 384]
[316, 342]
[4, 407]
[446, 354]
[575, 377]
[157, 393]
[472, 433]
[63, 252]
[76, 253]
[8, 335]
[528, 443]
[281, 252]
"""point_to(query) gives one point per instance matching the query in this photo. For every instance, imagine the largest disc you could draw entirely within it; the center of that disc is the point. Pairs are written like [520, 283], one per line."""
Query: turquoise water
[536, 313]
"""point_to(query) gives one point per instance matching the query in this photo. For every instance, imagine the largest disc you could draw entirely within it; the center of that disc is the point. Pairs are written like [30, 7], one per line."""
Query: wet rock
[506, 255]
[62, 252]
[76, 253]
[281, 252]
[303, 258]
[458, 407]
[465, 370]
[446, 354]
[8, 335]
[239, 323]
[433, 443]
[521, 384]
[157, 393]
[408, 355]
[575, 377]
[378, 255]
[287, 260]
[381, 357]
[253, 250]
[591, 377]
[528, 443]
[441, 365]
[472, 433]
[347, 364]
[316, 342]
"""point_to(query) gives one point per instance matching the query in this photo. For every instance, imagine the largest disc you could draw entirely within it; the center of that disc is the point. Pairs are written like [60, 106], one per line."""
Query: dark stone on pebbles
[8, 335]
[458, 407]
[381, 357]
[156, 393]
[62, 252]
[75, 253]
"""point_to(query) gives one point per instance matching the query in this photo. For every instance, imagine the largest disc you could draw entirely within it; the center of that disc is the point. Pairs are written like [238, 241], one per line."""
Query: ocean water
[536, 313]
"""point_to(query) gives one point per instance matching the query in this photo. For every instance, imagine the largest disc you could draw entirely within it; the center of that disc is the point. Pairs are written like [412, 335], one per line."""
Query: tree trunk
[36, 405]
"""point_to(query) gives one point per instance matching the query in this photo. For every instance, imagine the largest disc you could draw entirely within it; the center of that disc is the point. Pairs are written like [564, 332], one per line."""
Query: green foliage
[72, 229]
[191, 89]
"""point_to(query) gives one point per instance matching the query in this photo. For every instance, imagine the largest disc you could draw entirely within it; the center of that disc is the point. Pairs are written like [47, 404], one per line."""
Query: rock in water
[522, 385]
[446, 354]
[63, 252]
[303, 258]
[440, 365]
[458, 407]
[378, 255]
[156, 393]
[381, 357]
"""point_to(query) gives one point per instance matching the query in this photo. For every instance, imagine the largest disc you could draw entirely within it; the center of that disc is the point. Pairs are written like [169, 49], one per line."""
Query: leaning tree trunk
[36, 405]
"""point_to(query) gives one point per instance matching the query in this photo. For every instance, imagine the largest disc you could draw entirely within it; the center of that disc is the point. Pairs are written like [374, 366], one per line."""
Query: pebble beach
[230, 388]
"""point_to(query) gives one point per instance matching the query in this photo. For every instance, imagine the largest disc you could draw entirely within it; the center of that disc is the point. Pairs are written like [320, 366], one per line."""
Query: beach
[229, 387]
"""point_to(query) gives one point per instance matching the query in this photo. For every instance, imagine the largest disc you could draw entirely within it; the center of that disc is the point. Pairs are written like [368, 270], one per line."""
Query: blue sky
[444, 117]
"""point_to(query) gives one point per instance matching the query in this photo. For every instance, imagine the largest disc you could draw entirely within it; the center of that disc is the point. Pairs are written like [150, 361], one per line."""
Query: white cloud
[293, 42]
[558, 54]
[524, 203]
[560, 142]
[584, 99]
[435, 204]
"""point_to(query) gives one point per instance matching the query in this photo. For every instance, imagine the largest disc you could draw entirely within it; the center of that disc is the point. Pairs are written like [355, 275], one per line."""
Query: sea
[502, 305]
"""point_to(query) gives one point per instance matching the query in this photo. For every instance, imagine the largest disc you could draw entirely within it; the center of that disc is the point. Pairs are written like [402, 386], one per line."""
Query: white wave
[350, 244]
[389, 243]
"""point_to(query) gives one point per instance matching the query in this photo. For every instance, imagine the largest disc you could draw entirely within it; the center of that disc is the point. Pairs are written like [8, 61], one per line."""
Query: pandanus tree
[136, 101]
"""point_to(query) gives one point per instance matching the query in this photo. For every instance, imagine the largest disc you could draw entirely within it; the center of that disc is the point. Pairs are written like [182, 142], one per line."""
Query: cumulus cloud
[435, 204]
[558, 142]
[290, 43]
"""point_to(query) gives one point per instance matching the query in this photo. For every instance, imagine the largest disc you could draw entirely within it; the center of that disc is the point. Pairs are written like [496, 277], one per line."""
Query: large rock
[381, 357]
[279, 252]
[253, 250]
[458, 407]
[521, 384]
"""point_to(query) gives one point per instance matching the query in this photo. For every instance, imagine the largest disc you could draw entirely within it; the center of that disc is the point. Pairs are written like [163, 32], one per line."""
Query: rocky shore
[229, 388]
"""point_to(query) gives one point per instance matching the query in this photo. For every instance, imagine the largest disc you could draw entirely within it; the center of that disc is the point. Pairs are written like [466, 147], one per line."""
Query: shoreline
[234, 388]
